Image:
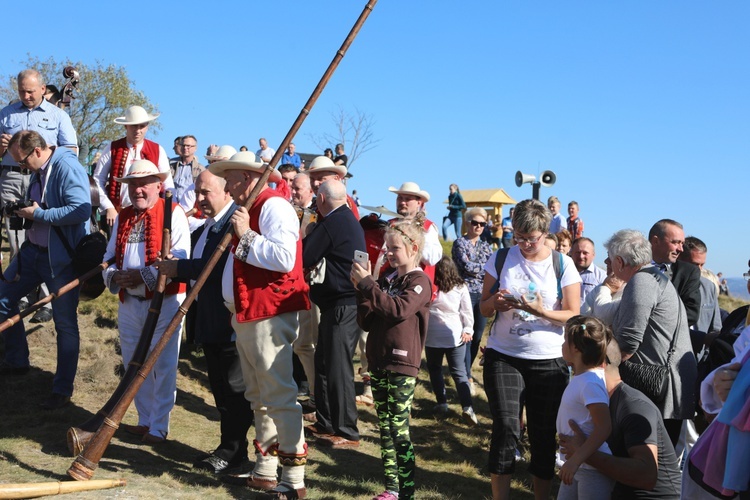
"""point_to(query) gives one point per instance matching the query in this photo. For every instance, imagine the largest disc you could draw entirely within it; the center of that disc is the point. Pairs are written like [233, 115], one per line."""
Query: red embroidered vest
[260, 293]
[154, 225]
[119, 148]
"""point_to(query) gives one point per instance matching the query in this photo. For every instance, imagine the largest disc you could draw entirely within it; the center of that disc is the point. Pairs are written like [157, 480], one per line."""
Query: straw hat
[325, 164]
[411, 188]
[140, 169]
[135, 115]
[223, 153]
[244, 160]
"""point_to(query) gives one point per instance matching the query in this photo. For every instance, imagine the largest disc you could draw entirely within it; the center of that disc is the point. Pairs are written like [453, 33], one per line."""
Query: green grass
[451, 458]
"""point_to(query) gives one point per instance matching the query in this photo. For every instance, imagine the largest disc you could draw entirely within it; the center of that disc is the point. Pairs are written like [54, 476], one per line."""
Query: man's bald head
[331, 195]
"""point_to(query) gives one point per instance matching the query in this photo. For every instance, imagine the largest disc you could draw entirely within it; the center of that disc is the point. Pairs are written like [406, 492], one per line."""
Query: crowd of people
[600, 368]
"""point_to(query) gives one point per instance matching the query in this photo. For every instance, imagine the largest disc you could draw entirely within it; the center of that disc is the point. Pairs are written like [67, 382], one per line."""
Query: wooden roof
[486, 197]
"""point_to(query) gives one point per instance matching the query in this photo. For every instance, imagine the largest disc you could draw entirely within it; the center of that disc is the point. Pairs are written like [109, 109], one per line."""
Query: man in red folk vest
[117, 158]
[264, 288]
[135, 244]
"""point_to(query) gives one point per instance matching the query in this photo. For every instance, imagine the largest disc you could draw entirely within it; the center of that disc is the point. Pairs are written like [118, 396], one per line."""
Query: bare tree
[354, 130]
[103, 94]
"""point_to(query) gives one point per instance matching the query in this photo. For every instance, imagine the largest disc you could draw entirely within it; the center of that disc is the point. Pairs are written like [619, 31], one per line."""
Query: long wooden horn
[77, 437]
[52, 296]
[88, 460]
[34, 490]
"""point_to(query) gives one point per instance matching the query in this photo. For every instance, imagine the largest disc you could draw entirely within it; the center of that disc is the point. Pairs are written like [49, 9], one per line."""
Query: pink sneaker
[386, 495]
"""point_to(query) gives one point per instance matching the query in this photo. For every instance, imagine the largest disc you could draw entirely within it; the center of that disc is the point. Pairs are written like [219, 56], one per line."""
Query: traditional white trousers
[265, 349]
[307, 339]
[156, 397]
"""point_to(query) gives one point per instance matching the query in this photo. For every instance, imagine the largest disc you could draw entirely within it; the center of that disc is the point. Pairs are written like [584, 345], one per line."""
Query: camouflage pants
[393, 394]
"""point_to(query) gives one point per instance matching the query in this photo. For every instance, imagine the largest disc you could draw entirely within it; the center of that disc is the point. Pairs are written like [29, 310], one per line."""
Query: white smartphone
[361, 258]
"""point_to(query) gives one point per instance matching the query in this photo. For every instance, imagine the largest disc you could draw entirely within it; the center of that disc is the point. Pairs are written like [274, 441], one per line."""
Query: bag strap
[65, 243]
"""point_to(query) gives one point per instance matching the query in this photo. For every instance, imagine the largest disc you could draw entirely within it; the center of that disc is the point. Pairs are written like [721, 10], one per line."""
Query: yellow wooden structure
[491, 200]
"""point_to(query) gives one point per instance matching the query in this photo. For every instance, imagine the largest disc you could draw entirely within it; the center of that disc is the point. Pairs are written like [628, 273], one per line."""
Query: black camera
[17, 223]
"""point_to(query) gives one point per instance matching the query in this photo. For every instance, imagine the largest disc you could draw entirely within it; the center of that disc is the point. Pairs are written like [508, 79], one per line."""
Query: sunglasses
[476, 223]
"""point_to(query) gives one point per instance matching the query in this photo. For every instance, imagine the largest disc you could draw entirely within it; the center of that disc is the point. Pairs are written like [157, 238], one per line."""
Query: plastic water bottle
[530, 295]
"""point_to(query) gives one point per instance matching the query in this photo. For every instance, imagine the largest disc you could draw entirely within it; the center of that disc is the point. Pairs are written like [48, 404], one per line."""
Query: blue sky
[640, 108]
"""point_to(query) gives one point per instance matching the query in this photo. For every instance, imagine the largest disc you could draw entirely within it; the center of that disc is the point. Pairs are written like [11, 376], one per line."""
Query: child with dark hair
[394, 310]
[585, 402]
[449, 331]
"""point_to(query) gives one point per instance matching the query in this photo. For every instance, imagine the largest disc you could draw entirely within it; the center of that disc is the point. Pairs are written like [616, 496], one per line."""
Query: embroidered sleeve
[108, 274]
[243, 247]
[149, 277]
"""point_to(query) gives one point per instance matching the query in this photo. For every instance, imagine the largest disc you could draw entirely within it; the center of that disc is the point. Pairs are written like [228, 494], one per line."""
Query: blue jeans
[452, 220]
[455, 356]
[479, 323]
[35, 269]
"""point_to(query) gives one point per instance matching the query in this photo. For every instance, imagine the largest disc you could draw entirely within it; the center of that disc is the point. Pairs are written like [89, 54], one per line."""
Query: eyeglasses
[477, 223]
[189, 145]
[22, 163]
[531, 241]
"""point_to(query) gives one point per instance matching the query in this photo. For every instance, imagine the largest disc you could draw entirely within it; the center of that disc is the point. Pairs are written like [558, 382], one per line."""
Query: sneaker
[469, 416]
[519, 456]
[386, 495]
[472, 389]
[440, 410]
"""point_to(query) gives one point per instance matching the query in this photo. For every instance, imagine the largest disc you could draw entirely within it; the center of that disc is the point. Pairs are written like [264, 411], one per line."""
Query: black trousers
[335, 401]
[228, 387]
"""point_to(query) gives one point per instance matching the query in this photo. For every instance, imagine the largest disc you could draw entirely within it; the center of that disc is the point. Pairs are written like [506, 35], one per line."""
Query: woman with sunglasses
[523, 361]
[470, 253]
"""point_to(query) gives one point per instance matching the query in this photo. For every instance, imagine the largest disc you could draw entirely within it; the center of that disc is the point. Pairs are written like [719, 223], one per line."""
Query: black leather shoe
[42, 316]
[55, 402]
[218, 465]
[6, 369]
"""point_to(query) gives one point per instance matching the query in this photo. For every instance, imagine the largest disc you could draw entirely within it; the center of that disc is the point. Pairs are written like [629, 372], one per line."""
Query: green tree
[103, 94]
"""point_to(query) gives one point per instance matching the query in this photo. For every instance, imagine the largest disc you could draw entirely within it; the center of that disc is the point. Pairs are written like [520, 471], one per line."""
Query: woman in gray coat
[650, 317]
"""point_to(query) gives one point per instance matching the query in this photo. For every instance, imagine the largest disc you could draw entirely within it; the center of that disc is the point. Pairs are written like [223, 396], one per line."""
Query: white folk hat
[140, 169]
[325, 164]
[244, 160]
[223, 153]
[135, 115]
[411, 188]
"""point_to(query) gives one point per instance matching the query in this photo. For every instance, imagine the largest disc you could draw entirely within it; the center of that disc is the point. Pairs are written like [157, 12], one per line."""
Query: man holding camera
[59, 204]
[30, 112]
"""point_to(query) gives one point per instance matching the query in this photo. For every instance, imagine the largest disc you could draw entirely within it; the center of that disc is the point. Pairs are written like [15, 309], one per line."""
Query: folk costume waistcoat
[260, 293]
[153, 220]
[119, 148]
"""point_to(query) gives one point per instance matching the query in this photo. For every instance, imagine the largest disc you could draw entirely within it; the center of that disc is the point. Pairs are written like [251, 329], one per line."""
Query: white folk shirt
[104, 167]
[275, 248]
[135, 255]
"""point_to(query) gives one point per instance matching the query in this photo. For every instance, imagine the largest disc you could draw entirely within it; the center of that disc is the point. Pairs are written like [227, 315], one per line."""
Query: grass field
[451, 457]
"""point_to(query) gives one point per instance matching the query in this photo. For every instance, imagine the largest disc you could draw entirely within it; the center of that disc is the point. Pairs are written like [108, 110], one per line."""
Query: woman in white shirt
[523, 362]
[449, 331]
